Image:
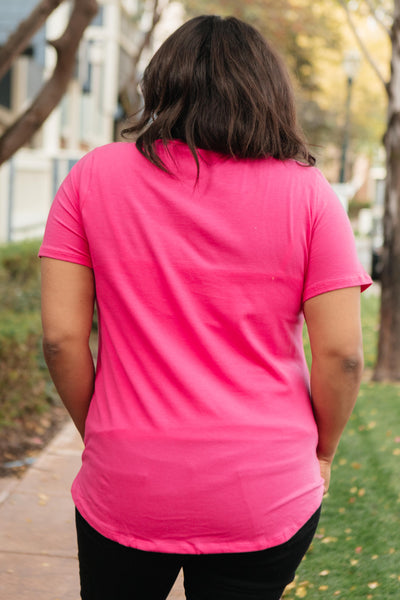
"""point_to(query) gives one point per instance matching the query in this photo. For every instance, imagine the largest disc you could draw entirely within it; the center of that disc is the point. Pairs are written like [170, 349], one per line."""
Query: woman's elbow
[55, 346]
[349, 361]
[344, 362]
[353, 364]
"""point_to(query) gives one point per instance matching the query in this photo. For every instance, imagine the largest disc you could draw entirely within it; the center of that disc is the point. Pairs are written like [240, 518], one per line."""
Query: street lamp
[351, 64]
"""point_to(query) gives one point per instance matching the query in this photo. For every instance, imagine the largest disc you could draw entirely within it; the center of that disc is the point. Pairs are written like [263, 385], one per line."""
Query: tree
[388, 360]
[66, 46]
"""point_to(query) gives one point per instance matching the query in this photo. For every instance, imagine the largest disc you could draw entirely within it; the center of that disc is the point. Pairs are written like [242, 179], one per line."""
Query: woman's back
[201, 413]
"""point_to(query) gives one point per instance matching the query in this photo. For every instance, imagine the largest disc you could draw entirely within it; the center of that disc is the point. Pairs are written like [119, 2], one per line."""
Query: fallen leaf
[329, 540]
[36, 441]
[373, 585]
[324, 573]
[43, 499]
[301, 592]
[291, 586]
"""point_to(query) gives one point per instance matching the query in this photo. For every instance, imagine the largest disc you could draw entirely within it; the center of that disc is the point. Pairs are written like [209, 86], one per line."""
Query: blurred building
[88, 113]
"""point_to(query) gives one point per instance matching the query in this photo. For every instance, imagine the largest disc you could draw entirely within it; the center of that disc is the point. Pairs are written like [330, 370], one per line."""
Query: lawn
[356, 552]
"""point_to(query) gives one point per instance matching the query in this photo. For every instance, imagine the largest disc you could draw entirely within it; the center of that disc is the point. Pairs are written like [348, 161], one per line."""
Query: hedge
[25, 386]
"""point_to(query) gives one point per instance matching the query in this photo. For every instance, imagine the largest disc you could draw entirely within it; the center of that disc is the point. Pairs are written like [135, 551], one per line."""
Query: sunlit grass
[370, 303]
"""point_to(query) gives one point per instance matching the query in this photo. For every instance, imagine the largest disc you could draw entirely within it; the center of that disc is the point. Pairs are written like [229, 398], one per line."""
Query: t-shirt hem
[336, 284]
[60, 255]
[193, 547]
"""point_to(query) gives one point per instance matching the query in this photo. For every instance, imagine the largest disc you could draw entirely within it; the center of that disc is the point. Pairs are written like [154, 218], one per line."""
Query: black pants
[109, 571]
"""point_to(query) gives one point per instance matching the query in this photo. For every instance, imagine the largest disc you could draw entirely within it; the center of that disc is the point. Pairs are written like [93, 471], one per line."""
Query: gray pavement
[38, 553]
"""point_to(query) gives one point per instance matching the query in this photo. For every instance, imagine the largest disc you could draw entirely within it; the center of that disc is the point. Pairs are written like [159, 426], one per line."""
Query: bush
[24, 381]
[20, 277]
[355, 206]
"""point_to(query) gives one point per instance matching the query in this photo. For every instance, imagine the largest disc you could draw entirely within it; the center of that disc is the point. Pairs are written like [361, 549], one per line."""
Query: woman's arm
[334, 328]
[68, 293]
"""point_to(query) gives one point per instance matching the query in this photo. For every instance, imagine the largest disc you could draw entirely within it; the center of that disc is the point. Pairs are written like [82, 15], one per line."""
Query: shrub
[24, 381]
[20, 277]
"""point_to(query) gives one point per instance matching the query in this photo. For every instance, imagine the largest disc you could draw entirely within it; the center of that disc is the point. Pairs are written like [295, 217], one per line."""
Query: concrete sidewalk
[38, 553]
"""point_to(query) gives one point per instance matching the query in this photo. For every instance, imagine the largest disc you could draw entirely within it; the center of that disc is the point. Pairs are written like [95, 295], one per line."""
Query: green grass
[356, 552]
[370, 305]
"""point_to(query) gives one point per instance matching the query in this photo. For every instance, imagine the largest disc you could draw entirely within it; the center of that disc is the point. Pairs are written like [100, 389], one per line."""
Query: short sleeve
[332, 255]
[64, 236]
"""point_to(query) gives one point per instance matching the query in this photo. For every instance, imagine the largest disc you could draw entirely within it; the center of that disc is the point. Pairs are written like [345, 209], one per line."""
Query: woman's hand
[325, 468]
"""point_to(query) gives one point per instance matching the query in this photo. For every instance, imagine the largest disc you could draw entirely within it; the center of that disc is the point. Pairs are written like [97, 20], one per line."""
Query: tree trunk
[388, 361]
[20, 38]
[21, 131]
[129, 94]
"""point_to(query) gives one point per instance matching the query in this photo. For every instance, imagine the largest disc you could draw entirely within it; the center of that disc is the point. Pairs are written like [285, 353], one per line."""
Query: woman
[204, 245]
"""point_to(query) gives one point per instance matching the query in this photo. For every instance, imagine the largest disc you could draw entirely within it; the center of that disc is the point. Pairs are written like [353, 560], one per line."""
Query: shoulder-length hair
[216, 84]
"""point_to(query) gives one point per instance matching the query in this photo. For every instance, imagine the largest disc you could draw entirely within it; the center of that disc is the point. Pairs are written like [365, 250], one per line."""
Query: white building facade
[88, 113]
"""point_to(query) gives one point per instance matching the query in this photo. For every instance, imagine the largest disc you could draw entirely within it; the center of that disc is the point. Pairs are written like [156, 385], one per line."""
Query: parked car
[377, 249]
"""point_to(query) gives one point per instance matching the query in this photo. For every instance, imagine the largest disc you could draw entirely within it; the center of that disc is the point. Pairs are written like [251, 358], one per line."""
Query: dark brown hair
[216, 84]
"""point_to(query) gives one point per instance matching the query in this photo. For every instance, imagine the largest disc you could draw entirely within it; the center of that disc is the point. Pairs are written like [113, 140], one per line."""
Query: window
[98, 20]
[5, 90]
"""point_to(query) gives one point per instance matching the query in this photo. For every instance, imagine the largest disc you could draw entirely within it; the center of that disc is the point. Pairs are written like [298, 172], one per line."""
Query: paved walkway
[37, 533]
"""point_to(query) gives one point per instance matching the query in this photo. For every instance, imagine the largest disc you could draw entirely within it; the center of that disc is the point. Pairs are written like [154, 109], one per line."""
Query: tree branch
[129, 89]
[377, 18]
[20, 38]
[362, 46]
[53, 90]
[147, 37]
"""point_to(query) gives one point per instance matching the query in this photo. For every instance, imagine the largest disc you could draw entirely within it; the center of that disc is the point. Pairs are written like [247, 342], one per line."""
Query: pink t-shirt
[200, 436]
